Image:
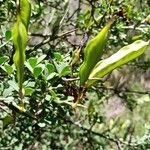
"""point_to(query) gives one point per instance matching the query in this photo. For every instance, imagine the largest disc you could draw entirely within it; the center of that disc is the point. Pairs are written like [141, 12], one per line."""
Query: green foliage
[8, 35]
[111, 114]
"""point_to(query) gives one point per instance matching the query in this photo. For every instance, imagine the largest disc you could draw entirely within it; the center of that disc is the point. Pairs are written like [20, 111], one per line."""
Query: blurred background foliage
[114, 113]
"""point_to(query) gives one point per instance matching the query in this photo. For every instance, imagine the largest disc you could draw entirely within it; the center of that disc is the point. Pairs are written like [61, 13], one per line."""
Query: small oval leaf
[8, 35]
[32, 61]
[3, 59]
[37, 71]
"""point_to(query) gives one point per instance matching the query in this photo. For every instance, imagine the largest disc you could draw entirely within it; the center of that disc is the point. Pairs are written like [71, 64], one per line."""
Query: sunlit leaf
[39, 59]
[33, 61]
[58, 56]
[123, 56]
[3, 59]
[29, 91]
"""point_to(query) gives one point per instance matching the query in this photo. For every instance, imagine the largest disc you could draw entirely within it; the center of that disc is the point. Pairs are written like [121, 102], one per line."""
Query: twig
[72, 14]
[5, 148]
[124, 90]
[39, 34]
[70, 103]
[5, 43]
[65, 33]
[17, 109]
[133, 28]
[107, 137]
[5, 110]
[70, 79]
[118, 143]
[50, 38]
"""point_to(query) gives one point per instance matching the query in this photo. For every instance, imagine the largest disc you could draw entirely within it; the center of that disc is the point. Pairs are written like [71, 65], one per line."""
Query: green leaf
[8, 35]
[50, 68]
[65, 71]
[37, 71]
[29, 83]
[27, 64]
[3, 59]
[29, 91]
[58, 56]
[49, 71]
[62, 68]
[8, 92]
[87, 18]
[48, 97]
[7, 68]
[123, 56]
[54, 95]
[33, 61]
[13, 84]
[7, 120]
[52, 75]
[42, 125]
[39, 59]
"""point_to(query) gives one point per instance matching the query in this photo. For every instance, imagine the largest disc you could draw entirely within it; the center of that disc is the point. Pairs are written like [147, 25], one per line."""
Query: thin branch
[68, 19]
[70, 79]
[66, 33]
[16, 108]
[118, 143]
[5, 110]
[39, 35]
[107, 137]
[124, 90]
[50, 38]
